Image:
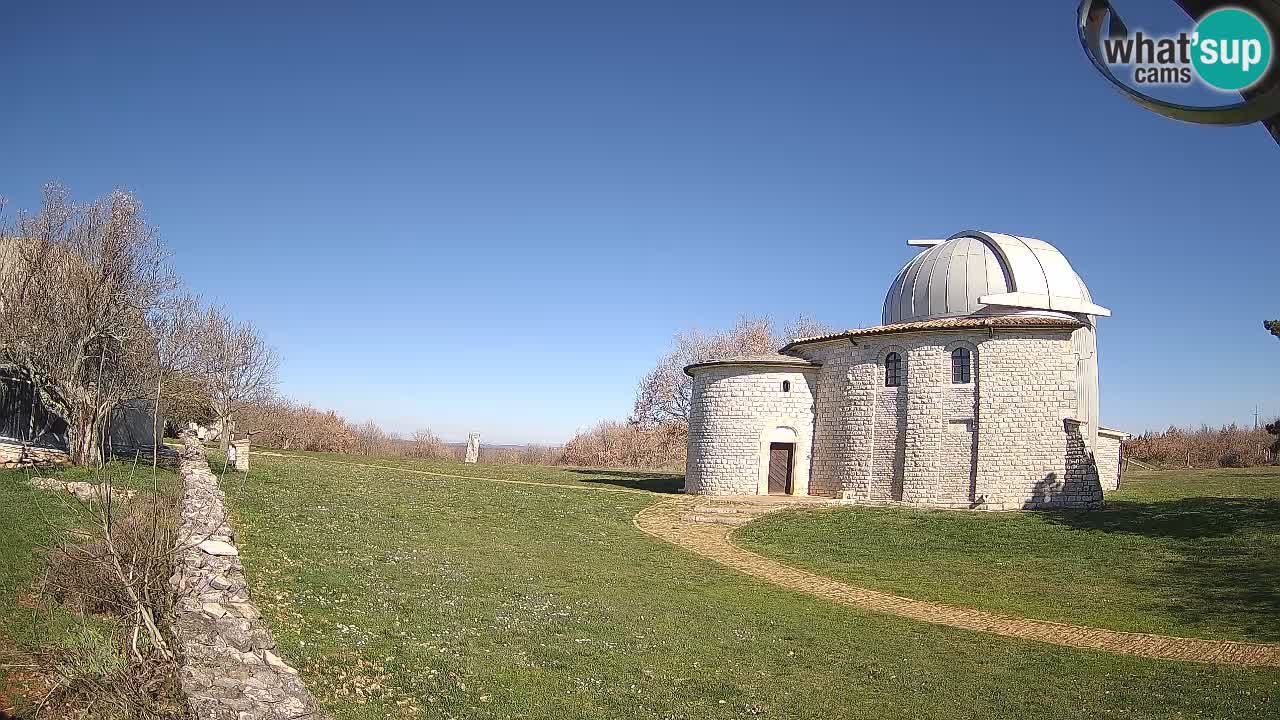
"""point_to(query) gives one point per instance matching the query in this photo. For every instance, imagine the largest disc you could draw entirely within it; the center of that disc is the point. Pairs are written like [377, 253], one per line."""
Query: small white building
[978, 390]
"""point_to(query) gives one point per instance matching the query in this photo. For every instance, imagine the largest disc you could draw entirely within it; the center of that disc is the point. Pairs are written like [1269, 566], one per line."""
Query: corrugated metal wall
[132, 426]
[23, 417]
[1085, 347]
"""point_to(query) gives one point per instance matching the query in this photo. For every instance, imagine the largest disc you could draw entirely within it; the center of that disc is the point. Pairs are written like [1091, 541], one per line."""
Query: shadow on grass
[655, 482]
[1223, 563]
[1190, 518]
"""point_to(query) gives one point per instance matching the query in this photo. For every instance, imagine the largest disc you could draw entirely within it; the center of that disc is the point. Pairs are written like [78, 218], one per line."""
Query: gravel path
[703, 526]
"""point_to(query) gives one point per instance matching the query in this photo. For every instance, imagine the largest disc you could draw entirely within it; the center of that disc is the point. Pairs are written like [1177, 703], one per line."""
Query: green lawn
[405, 595]
[1193, 553]
[28, 518]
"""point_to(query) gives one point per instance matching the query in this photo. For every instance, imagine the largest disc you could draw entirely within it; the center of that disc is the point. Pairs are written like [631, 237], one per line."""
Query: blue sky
[494, 216]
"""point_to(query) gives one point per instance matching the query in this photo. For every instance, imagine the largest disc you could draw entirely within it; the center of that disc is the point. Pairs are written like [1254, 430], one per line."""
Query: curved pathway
[703, 525]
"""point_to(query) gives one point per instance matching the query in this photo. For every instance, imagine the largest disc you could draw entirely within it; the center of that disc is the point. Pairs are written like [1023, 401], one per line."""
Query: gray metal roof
[982, 273]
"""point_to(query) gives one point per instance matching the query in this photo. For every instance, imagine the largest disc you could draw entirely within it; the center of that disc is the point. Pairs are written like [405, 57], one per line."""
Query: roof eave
[797, 366]
[994, 323]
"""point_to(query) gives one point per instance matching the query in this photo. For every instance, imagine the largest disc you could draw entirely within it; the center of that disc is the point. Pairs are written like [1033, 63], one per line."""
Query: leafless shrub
[628, 445]
[81, 573]
[115, 559]
[531, 454]
[371, 439]
[289, 425]
[426, 444]
[1205, 447]
[537, 454]
[94, 678]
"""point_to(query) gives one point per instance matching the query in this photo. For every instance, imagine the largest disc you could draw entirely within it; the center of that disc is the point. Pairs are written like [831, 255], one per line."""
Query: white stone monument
[473, 448]
[242, 454]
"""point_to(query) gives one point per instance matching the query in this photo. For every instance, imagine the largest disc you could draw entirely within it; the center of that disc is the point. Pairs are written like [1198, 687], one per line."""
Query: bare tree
[290, 425]
[81, 286]
[238, 366]
[663, 395]
[426, 444]
[371, 439]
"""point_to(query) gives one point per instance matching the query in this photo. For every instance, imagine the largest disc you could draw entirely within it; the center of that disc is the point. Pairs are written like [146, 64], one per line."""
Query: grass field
[404, 595]
[29, 519]
[1194, 553]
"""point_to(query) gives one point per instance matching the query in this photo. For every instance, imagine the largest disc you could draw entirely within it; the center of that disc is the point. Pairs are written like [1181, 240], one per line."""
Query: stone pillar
[473, 448]
[242, 454]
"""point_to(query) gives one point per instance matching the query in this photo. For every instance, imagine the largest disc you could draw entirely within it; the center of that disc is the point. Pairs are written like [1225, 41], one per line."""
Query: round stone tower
[750, 416]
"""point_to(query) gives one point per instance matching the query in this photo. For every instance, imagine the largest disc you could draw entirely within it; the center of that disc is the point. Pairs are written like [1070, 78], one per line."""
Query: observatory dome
[982, 273]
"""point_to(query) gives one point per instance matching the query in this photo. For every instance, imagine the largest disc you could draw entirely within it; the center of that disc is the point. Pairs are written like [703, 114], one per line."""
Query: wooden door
[780, 468]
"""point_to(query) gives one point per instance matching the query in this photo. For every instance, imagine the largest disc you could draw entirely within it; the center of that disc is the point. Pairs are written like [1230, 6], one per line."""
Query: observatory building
[978, 390]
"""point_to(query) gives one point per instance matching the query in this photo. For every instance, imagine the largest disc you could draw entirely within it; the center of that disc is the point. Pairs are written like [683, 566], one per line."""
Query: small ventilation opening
[786, 386]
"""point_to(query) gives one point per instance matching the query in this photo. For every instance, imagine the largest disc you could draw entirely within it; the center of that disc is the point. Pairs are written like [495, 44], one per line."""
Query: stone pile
[229, 667]
[84, 492]
[17, 454]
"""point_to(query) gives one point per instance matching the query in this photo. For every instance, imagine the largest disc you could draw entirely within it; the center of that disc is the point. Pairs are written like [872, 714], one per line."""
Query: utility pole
[1255, 416]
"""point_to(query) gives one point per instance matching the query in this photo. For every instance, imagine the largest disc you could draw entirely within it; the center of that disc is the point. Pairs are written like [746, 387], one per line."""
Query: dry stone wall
[733, 410]
[229, 667]
[18, 454]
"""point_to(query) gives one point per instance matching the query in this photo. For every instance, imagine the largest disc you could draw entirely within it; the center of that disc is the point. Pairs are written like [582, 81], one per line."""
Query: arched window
[786, 386]
[893, 370]
[961, 366]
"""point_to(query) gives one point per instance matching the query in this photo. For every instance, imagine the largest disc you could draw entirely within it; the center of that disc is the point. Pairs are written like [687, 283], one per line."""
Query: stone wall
[958, 462]
[1108, 458]
[1028, 457]
[18, 454]
[840, 430]
[734, 410]
[888, 444]
[999, 442]
[229, 668]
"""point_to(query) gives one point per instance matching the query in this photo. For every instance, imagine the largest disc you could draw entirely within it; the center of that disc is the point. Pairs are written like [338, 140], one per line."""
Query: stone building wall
[958, 468]
[888, 443]
[1028, 457]
[734, 410]
[999, 442]
[1108, 458]
[839, 428]
[926, 418]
